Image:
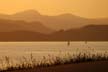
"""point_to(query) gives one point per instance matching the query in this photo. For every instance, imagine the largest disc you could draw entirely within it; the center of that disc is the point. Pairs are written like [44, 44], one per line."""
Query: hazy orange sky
[84, 8]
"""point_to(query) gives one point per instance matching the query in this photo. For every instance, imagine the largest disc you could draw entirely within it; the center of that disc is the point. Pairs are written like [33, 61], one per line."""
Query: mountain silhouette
[63, 21]
[22, 36]
[10, 25]
[86, 33]
[30, 25]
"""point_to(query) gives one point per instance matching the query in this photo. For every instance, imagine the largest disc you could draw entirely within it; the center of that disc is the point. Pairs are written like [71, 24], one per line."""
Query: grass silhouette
[29, 63]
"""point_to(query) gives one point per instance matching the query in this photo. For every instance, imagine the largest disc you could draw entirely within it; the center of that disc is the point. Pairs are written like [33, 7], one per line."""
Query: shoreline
[97, 66]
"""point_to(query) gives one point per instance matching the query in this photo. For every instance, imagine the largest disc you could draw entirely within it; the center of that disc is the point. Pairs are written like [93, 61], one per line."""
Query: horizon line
[50, 15]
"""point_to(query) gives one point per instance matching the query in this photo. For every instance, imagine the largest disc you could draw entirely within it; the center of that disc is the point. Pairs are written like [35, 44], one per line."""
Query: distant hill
[63, 21]
[10, 25]
[22, 36]
[86, 33]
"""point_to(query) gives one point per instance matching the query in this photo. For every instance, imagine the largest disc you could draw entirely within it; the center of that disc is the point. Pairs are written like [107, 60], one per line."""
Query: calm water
[39, 49]
[16, 50]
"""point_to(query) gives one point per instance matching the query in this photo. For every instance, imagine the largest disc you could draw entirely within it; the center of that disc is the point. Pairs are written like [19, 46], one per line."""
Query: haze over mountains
[12, 25]
[32, 26]
[63, 21]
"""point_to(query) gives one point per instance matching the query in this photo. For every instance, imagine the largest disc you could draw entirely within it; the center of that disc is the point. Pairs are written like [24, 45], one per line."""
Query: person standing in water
[68, 43]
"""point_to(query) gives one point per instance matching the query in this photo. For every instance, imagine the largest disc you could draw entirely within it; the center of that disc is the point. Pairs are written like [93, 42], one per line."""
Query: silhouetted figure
[68, 43]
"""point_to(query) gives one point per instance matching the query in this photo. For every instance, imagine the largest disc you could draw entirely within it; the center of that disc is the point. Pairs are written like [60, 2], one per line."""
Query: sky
[83, 8]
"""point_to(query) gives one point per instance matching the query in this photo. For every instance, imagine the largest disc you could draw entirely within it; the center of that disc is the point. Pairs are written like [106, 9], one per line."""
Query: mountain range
[30, 25]
[12, 25]
[63, 21]
[87, 33]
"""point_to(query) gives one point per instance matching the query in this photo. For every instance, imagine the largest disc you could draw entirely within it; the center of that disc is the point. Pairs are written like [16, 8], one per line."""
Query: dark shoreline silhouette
[87, 33]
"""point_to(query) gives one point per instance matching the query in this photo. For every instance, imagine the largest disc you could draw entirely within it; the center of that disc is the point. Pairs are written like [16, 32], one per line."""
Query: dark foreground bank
[99, 66]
